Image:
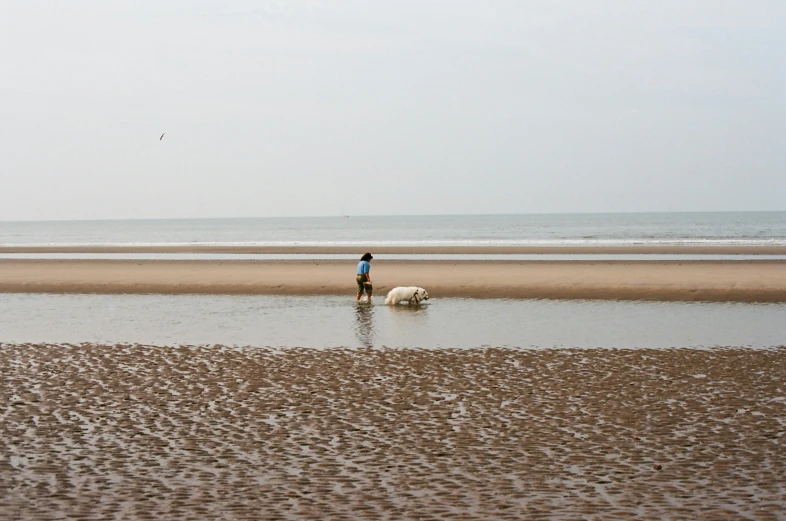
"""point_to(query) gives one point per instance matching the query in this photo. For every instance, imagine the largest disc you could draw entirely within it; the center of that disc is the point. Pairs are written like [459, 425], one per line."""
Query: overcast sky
[276, 108]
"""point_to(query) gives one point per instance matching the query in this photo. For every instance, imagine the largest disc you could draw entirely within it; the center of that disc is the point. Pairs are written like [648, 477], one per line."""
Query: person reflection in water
[364, 325]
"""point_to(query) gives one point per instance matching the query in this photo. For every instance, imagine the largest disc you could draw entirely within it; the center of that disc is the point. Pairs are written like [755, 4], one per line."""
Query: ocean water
[721, 228]
[322, 322]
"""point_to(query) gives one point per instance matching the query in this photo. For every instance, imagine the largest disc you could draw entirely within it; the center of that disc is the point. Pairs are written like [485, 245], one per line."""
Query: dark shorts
[363, 284]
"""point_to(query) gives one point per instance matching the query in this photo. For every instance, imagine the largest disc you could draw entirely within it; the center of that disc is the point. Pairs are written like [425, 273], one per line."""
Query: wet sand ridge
[143, 432]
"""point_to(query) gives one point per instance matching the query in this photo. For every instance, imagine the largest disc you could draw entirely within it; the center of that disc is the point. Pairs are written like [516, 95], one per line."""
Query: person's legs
[361, 280]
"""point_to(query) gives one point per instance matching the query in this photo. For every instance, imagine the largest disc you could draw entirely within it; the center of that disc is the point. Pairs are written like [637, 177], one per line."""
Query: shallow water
[290, 321]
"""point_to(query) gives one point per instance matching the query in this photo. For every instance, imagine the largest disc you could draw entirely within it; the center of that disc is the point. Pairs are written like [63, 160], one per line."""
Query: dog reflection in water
[364, 324]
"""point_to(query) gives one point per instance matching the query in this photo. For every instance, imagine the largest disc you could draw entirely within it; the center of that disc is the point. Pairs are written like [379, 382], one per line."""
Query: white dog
[406, 293]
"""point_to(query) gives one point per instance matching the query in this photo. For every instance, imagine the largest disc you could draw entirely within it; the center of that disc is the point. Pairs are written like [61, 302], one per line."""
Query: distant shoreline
[732, 281]
[426, 249]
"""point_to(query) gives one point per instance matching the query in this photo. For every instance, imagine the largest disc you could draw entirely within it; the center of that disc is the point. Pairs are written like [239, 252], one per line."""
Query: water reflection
[409, 326]
[364, 323]
[410, 308]
[267, 320]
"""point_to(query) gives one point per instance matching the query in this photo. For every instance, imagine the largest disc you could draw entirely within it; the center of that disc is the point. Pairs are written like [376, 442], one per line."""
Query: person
[364, 276]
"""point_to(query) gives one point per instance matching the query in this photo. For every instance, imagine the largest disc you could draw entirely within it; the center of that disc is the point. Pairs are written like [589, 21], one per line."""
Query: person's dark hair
[367, 256]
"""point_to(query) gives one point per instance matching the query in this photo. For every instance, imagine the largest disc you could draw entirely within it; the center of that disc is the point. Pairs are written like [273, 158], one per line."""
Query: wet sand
[142, 432]
[744, 281]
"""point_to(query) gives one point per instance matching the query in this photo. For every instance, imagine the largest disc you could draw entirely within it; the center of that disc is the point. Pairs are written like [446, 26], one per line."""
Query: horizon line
[345, 216]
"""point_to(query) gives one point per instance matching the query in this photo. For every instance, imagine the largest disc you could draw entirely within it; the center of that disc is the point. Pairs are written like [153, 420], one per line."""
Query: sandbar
[744, 281]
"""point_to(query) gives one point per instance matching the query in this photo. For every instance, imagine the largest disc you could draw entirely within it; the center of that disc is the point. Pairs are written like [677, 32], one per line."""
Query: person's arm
[368, 273]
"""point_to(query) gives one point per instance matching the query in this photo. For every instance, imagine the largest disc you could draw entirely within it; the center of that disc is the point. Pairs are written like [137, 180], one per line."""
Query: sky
[308, 108]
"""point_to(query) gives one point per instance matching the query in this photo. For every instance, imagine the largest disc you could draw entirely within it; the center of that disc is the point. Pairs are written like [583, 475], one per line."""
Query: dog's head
[422, 294]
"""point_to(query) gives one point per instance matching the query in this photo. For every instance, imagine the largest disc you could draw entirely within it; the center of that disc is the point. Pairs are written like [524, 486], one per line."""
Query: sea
[323, 322]
[712, 228]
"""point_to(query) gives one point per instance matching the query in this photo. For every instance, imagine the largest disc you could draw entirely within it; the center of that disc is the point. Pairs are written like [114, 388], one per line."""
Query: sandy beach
[143, 432]
[746, 281]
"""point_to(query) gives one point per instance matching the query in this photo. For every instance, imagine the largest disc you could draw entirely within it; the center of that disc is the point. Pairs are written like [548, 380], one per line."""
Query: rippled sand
[141, 432]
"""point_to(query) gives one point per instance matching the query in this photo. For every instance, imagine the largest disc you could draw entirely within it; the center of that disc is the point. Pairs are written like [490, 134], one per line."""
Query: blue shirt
[363, 267]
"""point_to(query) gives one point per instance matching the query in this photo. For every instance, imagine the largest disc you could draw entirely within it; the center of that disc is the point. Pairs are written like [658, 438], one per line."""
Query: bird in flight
[162, 136]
